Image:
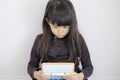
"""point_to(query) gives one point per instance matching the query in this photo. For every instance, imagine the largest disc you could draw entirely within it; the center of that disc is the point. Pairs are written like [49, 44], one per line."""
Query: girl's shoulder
[80, 36]
[39, 36]
[82, 40]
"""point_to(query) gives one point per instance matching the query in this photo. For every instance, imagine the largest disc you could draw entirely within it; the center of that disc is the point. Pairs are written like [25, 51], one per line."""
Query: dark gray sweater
[60, 53]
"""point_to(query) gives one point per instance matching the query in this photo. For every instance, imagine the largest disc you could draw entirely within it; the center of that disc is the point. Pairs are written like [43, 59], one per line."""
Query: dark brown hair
[61, 12]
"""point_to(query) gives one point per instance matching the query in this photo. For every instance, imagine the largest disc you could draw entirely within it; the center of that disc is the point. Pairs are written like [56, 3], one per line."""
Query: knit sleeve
[87, 67]
[33, 64]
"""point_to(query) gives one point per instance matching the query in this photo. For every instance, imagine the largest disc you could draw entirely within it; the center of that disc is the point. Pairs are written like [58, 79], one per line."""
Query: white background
[99, 23]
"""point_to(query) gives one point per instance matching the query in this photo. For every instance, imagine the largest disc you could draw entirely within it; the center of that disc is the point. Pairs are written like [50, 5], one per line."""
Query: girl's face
[59, 31]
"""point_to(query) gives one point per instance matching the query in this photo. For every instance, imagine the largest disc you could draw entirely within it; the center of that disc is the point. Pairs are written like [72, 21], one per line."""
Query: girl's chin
[60, 36]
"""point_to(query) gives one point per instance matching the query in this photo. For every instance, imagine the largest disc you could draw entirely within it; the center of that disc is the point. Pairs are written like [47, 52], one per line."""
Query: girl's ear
[47, 20]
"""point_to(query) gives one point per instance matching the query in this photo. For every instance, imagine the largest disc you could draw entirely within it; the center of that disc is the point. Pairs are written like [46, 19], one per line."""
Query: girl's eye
[55, 27]
[66, 26]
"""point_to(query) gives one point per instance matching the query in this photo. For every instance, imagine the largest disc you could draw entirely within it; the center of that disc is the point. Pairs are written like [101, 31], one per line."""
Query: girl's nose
[60, 30]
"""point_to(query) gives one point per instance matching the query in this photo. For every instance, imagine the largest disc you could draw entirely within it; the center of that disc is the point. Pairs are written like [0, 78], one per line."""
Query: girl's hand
[39, 75]
[74, 76]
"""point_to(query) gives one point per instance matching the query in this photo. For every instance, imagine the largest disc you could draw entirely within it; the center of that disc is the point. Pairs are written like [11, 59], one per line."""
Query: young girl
[60, 42]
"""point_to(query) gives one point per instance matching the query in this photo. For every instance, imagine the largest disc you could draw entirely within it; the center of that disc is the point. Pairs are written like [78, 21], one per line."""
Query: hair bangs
[59, 16]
